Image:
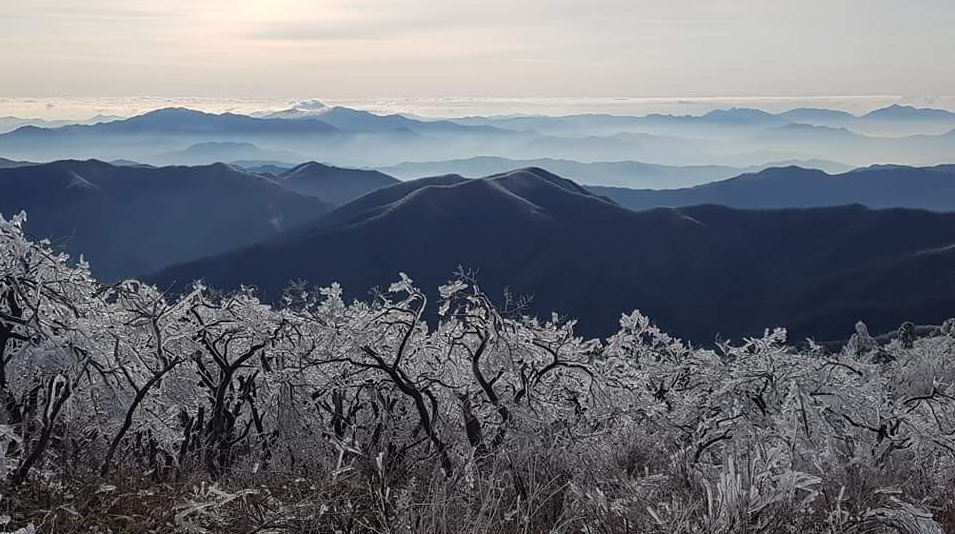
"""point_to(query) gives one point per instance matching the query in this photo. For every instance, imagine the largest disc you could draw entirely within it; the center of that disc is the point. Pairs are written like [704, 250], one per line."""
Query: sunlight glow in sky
[513, 48]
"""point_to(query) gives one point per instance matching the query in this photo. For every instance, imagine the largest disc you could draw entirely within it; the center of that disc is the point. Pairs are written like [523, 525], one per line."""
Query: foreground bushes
[127, 410]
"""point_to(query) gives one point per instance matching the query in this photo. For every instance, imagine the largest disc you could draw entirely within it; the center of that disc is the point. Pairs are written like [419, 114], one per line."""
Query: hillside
[701, 271]
[128, 221]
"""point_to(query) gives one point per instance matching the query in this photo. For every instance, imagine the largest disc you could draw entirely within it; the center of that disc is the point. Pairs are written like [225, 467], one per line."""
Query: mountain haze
[931, 188]
[633, 174]
[209, 152]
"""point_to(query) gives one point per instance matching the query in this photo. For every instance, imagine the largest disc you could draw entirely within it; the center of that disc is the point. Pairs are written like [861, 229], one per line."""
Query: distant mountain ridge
[209, 152]
[701, 271]
[154, 132]
[737, 137]
[894, 120]
[631, 174]
[364, 121]
[908, 113]
[931, 188]
[362, 135]
[10, 123]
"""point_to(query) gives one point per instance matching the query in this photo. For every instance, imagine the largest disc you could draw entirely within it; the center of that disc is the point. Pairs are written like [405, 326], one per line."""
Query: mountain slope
[632, 174]
[791, 187]
[699, 271]
[129, 221]
[334, 185]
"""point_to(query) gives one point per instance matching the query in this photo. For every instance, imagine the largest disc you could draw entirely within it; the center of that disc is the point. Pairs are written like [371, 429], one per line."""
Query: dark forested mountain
[128, 221]
[334, 185]
[931, 188]
[700, 271]
[633, 174]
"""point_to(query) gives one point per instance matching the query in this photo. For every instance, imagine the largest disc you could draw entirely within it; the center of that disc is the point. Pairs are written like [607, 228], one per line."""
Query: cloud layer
[430, 48]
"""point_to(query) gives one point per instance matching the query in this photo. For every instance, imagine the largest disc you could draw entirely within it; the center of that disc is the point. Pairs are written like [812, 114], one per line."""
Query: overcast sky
[433, 48]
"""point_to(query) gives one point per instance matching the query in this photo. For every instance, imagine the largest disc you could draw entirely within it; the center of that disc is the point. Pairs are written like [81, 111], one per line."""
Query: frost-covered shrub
[327, 415]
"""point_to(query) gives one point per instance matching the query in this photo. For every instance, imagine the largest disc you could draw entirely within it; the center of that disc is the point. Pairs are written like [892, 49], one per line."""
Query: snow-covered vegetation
[128, 410]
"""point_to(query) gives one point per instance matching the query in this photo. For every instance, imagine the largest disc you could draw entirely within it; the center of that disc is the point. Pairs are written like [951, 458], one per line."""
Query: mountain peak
[786, 172]
[170, 113]
[740, 115]
[335, 185]
[906, 112]
[526, 175]
[308, 166]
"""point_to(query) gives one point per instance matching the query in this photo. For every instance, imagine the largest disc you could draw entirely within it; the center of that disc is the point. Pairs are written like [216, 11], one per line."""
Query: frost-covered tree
[50, 327]
[337, 410]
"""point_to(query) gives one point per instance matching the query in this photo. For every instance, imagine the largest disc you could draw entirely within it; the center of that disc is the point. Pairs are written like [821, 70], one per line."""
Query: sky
[363, 49]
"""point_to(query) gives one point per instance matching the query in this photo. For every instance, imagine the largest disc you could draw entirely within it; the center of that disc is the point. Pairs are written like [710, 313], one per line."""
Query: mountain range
[895, 120]
[931, 188]
[356, 138]
[154, 132]
[10, 123]
[220, 152]
[364, 121]
[701, 271]
[169, 136]
[631, 174]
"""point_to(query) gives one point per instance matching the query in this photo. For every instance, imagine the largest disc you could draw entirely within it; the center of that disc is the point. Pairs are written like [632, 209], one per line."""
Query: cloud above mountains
[495, 47]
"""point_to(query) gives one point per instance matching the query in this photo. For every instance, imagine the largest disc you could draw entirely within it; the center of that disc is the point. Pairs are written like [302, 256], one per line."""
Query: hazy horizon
[77, 107]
